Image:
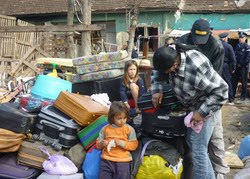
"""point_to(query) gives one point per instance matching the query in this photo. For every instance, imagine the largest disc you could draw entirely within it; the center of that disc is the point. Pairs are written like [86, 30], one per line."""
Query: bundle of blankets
[88, 68]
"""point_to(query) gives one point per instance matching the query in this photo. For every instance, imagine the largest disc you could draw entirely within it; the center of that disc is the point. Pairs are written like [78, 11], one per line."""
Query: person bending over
[198, 87]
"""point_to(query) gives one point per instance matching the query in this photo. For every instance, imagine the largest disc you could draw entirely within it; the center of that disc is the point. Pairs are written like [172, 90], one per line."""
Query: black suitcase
[56, 129]
[15, 119]
[110, 86]
[164, 125]
[169, 101]
[9, 169]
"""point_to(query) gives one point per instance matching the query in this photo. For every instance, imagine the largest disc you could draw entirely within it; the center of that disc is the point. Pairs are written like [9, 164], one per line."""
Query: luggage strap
[145, 147]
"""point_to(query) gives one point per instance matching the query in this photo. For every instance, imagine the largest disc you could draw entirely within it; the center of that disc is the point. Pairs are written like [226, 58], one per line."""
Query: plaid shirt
[196, 84]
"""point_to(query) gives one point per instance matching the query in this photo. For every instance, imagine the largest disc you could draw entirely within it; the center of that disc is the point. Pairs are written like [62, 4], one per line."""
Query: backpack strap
[145, 147]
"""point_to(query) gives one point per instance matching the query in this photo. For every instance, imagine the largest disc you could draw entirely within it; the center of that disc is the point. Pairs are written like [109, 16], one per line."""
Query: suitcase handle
[50, 124]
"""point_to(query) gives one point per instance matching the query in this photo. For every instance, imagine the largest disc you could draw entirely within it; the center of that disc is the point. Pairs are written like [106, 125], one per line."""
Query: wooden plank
[53, 28]
[233, 160]
[31, 66]
[42, 52]
[27, 54]
[10, 95]
[23, 43]
[6, 36]
[2, 74]
[7, 59]
[7, 17]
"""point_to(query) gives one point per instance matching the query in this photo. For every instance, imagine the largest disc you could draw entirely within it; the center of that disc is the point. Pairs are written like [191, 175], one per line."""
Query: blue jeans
[216, 149]
[198, 144]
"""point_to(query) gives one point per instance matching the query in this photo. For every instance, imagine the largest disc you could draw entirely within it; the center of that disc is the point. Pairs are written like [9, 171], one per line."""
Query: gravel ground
[236, 123]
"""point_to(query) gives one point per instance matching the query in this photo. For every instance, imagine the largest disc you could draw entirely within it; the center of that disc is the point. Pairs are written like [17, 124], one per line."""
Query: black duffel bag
[162, 125]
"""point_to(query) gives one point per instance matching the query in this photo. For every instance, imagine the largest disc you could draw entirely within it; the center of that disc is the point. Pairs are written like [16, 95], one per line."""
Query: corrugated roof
[34, 7]
[198, 6]
[25, 7]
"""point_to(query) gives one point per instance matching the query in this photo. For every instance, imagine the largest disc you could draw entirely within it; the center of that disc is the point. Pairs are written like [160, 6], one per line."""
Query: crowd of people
[204, 72]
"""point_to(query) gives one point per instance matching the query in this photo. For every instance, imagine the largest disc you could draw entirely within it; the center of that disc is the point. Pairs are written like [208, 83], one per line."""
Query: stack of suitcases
[15, 126]
[73, 119]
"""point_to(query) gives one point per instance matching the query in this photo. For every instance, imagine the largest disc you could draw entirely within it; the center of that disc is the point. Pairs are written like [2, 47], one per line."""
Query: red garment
[131, 103]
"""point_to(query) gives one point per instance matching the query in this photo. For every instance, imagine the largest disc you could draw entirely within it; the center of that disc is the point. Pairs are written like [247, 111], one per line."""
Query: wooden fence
[14, 46]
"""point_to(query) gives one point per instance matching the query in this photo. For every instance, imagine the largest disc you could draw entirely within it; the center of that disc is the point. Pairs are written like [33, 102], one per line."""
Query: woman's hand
[197, 118]
[156, 99]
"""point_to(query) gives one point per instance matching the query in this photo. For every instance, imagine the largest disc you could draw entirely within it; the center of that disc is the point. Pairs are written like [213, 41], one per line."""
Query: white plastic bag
[58, 164]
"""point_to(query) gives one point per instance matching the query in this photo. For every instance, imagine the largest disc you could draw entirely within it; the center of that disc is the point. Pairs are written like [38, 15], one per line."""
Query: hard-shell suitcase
[81, 108]
[164, 125]
[9, 169]
[56, 128]
[110, 86]
[91, 132]
[169, 101]
[15, 119]
[30, 154]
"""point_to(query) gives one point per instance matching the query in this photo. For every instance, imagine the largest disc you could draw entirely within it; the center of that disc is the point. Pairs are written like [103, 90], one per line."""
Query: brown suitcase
[80, 108]
[30, 154]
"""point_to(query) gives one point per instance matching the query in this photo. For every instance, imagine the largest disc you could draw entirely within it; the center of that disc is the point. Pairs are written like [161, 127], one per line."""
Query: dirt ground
[236, 123]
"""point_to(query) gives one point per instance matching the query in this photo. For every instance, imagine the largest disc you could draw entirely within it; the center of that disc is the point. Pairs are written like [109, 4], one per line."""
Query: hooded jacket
[213, 50]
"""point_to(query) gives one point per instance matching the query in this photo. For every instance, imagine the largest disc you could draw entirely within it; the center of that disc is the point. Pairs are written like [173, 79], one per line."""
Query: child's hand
[104, 143]
[119, 142]
[127, 105]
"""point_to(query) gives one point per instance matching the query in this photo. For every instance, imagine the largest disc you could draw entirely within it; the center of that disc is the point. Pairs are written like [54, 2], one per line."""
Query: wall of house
[217, 21]
[161, 20]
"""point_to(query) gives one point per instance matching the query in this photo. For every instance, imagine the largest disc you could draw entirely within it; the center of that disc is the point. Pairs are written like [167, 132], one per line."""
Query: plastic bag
[31, 103]
[91, 164]
[155, 167]
[58, 164]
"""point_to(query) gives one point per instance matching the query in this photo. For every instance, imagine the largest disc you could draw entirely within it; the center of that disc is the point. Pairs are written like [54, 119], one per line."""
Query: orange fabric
[118, 154]
[10, 141]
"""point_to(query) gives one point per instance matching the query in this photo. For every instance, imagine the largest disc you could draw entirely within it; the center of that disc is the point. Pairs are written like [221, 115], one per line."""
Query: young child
[116, 140]
[132, 86]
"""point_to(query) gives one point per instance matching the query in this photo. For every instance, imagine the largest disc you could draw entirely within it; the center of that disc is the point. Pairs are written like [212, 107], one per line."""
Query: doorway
[147, 34]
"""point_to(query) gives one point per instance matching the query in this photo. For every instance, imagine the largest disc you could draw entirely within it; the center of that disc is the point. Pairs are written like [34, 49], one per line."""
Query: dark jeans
[227, 75]
[115, 170]
[240, 73]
